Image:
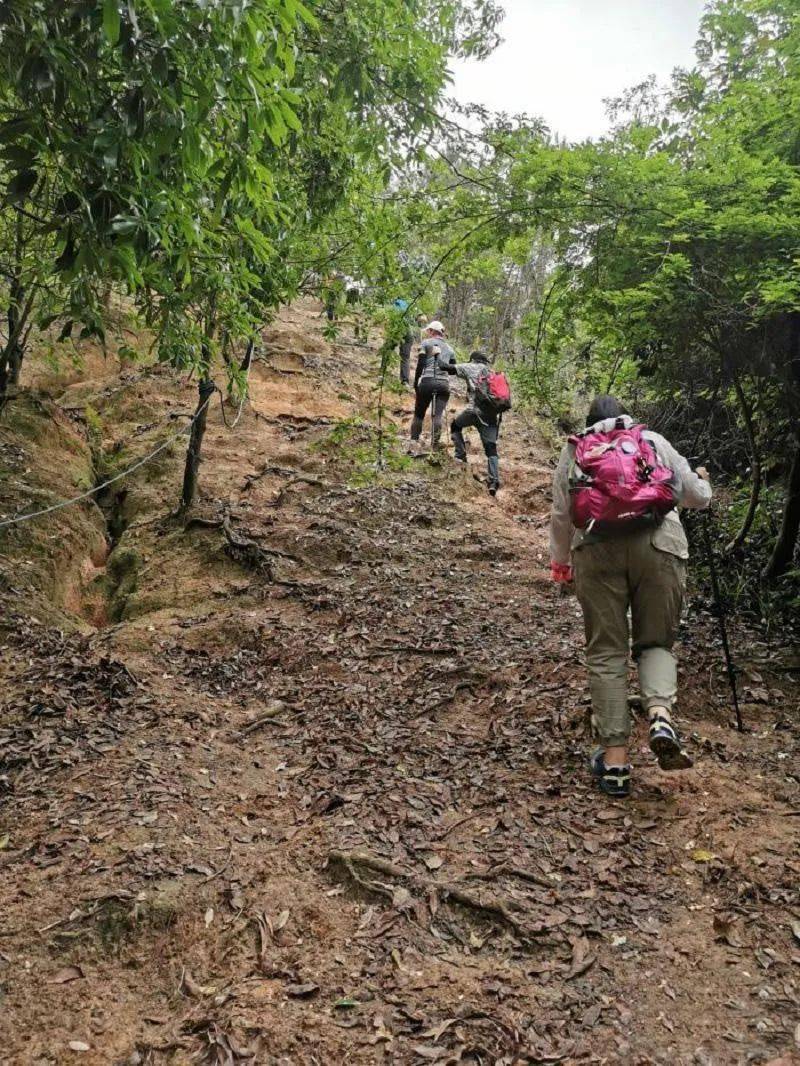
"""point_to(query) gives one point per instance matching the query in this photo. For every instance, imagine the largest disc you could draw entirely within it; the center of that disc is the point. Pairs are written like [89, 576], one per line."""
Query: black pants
[488, 426]
[433, 394]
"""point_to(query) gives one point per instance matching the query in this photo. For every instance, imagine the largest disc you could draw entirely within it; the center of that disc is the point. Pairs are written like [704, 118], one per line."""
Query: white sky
[561, 58]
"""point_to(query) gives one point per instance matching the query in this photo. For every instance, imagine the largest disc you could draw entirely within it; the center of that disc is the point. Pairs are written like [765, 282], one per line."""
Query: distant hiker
[614, 520]
[332, 295]
[406, 344]
[489, 396]
[353, 291]
[432, 381]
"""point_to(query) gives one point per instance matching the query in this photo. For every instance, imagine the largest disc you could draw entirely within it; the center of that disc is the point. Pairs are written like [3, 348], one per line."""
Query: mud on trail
[305, 781]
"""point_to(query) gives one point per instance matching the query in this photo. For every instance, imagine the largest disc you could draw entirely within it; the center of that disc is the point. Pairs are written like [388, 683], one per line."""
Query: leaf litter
[368, 844]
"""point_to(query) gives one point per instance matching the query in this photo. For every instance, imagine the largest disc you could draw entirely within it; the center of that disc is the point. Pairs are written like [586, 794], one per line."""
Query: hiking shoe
[494, 487]
[612, 780]
[666, 746]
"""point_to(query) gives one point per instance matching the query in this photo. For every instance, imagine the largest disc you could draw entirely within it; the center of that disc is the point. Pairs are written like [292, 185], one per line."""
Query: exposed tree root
[247, 552]
[354, 863]
[265, 471]
[313, 481]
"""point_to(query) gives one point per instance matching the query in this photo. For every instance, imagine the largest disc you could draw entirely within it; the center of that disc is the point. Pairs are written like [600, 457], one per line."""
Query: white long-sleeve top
[692, 491]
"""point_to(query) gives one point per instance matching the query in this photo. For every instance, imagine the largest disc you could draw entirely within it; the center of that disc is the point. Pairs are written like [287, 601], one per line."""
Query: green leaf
[19, 156]
[111, 21]
[13, 128]
[701, 855]
[21, 185]
[124, 225]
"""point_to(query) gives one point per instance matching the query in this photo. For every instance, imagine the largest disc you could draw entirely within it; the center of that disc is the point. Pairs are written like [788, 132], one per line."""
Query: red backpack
[493, 392]
[618, 480]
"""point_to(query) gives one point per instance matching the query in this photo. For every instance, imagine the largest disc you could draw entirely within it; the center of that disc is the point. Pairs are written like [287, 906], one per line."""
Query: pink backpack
[618, 480]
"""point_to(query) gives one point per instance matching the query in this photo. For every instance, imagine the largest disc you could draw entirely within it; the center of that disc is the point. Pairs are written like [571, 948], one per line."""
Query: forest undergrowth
[302, 779]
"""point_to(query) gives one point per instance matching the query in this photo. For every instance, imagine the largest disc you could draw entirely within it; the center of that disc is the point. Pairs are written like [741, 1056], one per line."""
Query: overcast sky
[560, 58]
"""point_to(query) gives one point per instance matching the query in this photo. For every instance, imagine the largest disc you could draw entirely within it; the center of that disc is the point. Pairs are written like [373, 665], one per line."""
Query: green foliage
[187, 152]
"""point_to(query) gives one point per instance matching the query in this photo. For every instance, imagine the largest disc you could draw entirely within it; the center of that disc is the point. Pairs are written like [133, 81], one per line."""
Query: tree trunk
[11, 358]
[15, 364]
[755, 461]
[4, 376]
[783, 552]
[248, 355]
[193, 452]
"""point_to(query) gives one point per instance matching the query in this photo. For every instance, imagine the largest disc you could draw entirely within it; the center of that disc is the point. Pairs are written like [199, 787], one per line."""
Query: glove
[561, 573]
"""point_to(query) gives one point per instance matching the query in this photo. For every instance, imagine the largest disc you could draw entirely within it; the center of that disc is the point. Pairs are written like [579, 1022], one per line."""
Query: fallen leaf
[4, 841]
[401, 899]
[235, 898]
[209, 916]
[303, 991]
[699, 855]
[796, 930]
[757, 695]
[433, 862]
[438, 1030]
[592, 1016]
[192, 988]
[725, 930]
[78, 1045]
[428, 1051]
[69, 973]
[280, 921]
[582, 959]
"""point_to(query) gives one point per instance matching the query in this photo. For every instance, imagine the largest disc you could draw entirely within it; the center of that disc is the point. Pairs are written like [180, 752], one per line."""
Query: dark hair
[479, 357]
[604, 407]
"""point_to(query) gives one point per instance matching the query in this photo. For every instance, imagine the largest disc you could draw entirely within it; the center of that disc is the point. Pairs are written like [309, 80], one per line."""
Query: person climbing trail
[488, 397]
[615, 530]
[332, 293]
[432, 382]
[411, 335]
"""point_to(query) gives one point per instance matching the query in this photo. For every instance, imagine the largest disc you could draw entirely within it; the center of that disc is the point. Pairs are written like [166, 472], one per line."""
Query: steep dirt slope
[305, 781]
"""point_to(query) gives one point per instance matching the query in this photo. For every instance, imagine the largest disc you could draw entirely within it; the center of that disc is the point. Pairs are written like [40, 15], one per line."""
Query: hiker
[406, 344]
[432, 381]
[484, 411]
[615, 529]
[332, 293]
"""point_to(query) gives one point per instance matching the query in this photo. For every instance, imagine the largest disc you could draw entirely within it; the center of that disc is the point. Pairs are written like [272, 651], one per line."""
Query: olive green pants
[614, 576]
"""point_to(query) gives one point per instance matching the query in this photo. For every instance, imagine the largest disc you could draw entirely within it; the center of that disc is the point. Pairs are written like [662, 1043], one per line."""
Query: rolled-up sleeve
[693, 492]
[561, 528]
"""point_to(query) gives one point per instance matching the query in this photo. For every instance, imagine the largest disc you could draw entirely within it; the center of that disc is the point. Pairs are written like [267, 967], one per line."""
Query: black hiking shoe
[666, 746]
[612, 780]
[494, 488]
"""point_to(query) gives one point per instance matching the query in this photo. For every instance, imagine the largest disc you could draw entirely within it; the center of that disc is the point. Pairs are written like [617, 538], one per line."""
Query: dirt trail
[322, 798]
